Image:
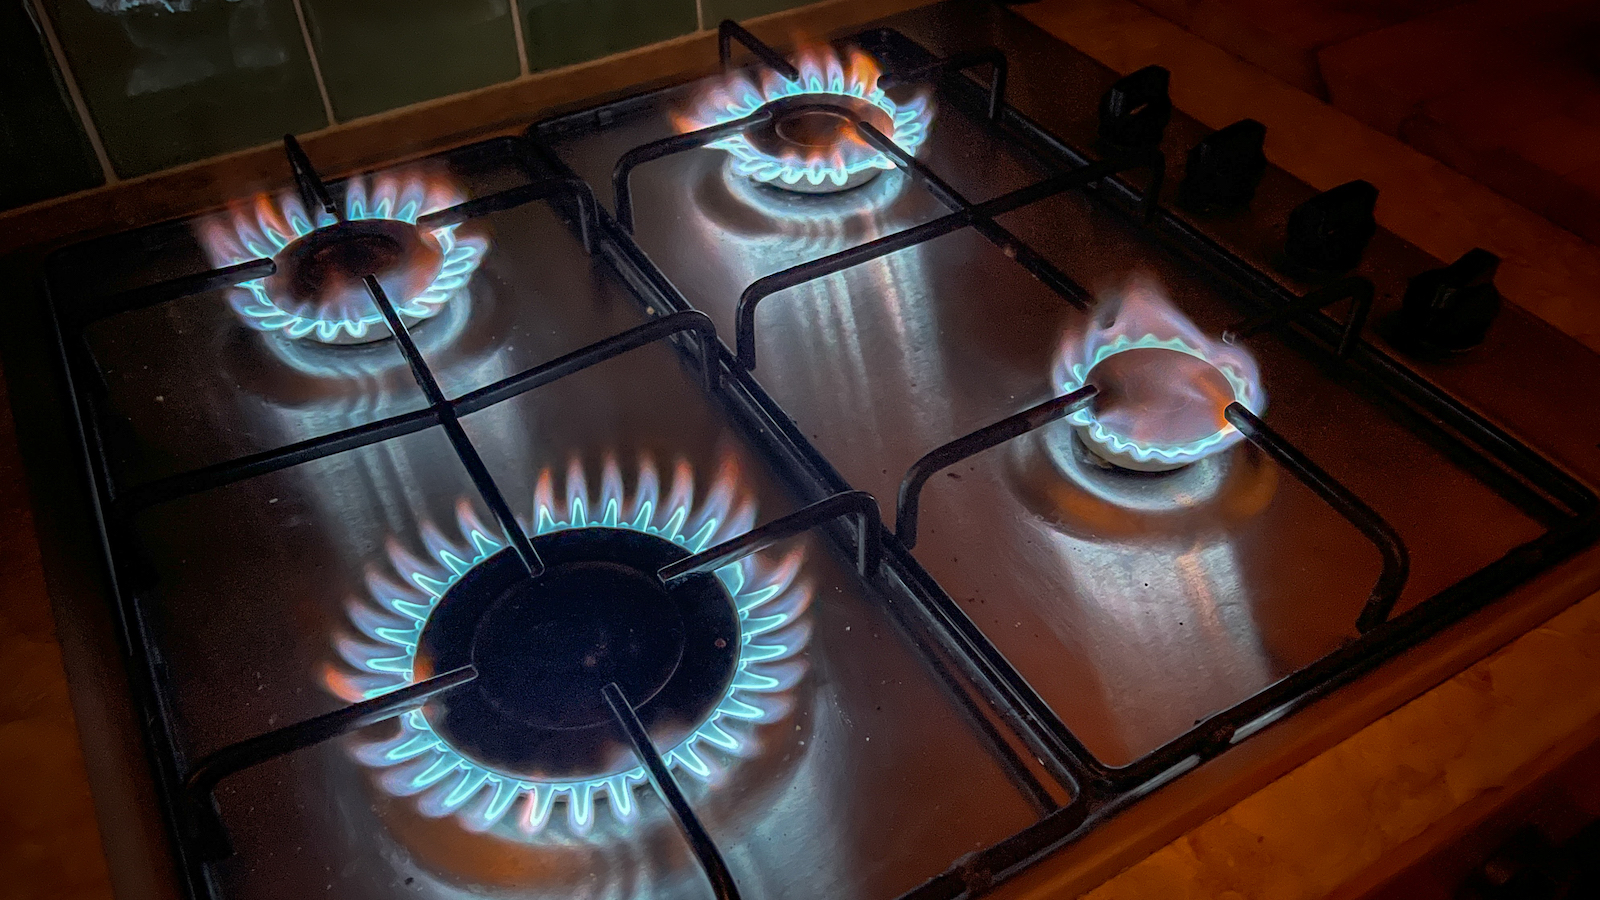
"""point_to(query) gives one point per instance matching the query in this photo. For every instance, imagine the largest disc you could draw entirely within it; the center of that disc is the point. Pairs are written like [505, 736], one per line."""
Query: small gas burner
[1163, 384]
[810, 145]
[317, 292]
[702, 661]
[324, 269]
[819, 126]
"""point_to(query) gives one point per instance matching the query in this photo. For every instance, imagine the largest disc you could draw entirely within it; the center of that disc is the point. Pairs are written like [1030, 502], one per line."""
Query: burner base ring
[1160, 406]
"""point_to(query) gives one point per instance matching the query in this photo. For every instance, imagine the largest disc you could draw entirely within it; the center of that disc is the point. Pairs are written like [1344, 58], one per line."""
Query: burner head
[1154, 397]
[1163, 384]
[546, 647]
[317, 292]
[820, 127]
[809, 145]
[322, 272]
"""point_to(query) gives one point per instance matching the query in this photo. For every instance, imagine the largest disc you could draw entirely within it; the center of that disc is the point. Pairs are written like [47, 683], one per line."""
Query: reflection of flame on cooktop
[702, 661]
[810, 144]
[317, 292]
[1163, 384]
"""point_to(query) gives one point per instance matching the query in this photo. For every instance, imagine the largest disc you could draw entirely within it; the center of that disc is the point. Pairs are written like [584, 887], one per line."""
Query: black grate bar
[268, 461]
[451, 423]
[1047, 272]
[745, 314]
[1522, 459]
[224, 473]
[946, 455]
[981, 716]
[992, 668]
[1359, 291]
[575, 188]
[234, 758]
[622, 173]
[239, 273]
[729, 31]
[178, 288]
[971, 59]
[859, 504]
[1127, 159]
[1396, 561]
[312, 191]
[690, 322]
[978, 873]
[705, 849]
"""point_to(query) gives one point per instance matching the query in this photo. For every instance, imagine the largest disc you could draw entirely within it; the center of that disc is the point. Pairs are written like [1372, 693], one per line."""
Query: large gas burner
[808, 141]
[317, 291]
[546, 647]
[696, 658]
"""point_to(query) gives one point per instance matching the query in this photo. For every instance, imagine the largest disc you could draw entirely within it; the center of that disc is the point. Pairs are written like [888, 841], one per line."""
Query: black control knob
[1134, 112]
[1449, 310]
[1330, 231]
[1225, 167]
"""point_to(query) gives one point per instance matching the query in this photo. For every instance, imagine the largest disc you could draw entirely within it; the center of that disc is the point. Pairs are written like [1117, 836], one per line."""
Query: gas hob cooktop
[820, 479]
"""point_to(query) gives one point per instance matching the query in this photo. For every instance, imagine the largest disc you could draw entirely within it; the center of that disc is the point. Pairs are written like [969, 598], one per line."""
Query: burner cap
[819, 126]
[1155, 397]
[546, 647]
[323, 270]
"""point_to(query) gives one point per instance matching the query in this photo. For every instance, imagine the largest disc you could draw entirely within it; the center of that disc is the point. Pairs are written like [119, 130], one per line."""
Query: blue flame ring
[419, 762]
[267, 233]
[741, 98]
[1245, 392]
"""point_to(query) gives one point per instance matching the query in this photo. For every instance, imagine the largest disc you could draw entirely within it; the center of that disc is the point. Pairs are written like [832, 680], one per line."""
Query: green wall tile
[43, 150]
[381, 54]
[717, 10]
[563, 32]
[171, 81]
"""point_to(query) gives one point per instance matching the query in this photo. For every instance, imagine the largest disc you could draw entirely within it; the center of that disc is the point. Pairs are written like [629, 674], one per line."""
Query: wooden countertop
[49, 842]
[1331, 826]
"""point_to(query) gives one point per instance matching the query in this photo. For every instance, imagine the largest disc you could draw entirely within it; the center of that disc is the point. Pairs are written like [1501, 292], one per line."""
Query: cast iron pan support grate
[729, 31]
[979, 216]
[201, 819]
[947, 455]
[1102, 791]
[971, 59]
[1358, 290]
[1215, 733]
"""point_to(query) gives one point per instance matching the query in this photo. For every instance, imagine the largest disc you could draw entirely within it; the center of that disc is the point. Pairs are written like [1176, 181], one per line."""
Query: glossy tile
[171, 81]
[563, 32]
[382, 54]
[717, 10]
[43, 150]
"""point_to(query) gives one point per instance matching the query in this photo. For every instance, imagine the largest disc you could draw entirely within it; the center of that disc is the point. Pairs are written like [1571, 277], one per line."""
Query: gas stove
[821, 479]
